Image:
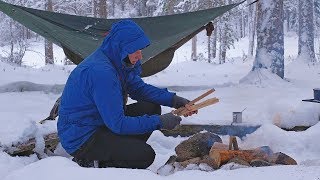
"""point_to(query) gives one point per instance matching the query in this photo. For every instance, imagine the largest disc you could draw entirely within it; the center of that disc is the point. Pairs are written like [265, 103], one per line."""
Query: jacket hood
[125, 37]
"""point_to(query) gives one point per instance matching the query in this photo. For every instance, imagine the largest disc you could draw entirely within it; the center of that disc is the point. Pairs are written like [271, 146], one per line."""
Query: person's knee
[150, 156]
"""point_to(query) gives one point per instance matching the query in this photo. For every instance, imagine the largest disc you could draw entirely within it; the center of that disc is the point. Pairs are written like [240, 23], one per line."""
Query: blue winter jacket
[93, 94]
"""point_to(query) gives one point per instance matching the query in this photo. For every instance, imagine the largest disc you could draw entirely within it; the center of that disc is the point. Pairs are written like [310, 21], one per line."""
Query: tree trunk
[142, 8]
[48, 44]
[288, 20]
[11, 57]
[270, 50]
[122, 4]
[169, 9]
[48, 52]
[252, 25]
[244, 26]
[241, 25]
[102, 8]
[131, 3]
[151, 8]
[214, 41]
[94, 8]
[222, 47]
[194, 55]
[306, 31]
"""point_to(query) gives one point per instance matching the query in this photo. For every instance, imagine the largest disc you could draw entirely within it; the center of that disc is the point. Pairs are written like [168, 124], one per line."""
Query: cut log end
[215, 156]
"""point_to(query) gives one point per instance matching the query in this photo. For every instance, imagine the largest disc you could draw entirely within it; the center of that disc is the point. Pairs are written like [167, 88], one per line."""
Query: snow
[54, 168]
[270, 101]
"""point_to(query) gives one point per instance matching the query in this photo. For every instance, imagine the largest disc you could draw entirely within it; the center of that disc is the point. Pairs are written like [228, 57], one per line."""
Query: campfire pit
[193, 153]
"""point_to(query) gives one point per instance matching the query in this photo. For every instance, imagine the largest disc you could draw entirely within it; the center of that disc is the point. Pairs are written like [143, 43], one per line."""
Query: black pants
[123, 151]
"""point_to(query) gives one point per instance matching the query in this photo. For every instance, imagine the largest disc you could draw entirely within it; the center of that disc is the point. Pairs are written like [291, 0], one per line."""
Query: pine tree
[270, 42]
[306, 31]
[291, 14]
[14, 35]
[226, 32]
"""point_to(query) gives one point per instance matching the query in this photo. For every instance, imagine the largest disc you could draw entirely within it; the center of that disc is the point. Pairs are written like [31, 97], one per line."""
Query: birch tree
[48, 53]
[270, 42]
[252, 27]
[194, 54]
[317, 22]
[214, 41]
[306, 31]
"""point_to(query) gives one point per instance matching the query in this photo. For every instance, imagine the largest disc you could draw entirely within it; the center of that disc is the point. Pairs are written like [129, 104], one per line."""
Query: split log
[218, 145]
[196, 146]
[220, 156]
[195, 160]
[281, 158]
[207, 160]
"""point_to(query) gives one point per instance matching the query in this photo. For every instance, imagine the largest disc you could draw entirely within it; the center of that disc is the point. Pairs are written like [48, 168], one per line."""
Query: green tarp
[79, 36]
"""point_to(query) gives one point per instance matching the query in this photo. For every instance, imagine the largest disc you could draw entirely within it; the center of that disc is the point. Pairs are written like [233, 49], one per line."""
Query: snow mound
[264, 78]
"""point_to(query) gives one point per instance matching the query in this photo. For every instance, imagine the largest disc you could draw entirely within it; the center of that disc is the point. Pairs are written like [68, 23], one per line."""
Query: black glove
[178, 101]
[169, 121]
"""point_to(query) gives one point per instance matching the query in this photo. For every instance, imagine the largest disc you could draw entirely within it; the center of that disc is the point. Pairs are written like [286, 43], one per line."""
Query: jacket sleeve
[139, 90]
[106, 93]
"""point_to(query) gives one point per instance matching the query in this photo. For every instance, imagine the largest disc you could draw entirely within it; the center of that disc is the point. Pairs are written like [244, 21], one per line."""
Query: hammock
[79, 36]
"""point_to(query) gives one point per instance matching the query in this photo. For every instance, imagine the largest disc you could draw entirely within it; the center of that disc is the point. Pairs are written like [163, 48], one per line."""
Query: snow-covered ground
[268, 101]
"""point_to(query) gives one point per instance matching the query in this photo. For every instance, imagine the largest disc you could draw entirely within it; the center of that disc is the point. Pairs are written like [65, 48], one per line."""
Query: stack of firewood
[195, 153]
[221, 154]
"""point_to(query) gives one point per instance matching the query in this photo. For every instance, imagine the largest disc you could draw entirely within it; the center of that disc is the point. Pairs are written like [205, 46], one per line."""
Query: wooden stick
[235, 143]
[230, 142]
[177, 111]
[195, 107]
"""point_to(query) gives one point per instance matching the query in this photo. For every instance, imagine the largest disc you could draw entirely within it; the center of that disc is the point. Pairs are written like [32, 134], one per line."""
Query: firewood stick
[235, 143]
[230, 142]
[177, 111]
[220, 156]
[195, 107]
